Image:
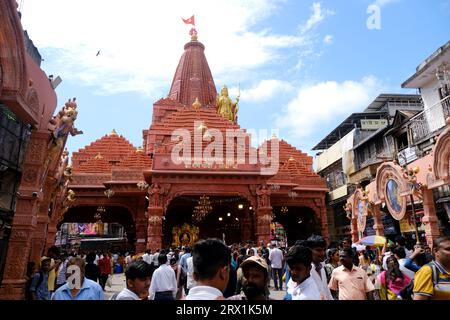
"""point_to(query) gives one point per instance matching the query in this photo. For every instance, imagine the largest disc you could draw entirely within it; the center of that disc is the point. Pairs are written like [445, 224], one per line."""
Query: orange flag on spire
[191, 20]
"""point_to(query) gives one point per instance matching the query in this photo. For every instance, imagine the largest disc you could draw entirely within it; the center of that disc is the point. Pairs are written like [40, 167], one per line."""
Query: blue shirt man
[39, 283]
[89, 289]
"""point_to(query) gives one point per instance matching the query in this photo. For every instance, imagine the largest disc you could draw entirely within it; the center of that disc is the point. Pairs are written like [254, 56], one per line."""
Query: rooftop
[427, 69]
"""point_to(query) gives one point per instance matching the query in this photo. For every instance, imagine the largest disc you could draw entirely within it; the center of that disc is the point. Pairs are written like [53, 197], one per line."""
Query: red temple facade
[154, 193]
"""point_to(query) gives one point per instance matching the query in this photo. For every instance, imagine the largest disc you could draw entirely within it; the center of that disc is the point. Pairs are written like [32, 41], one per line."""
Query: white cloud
[141, 41]
[382, 3]
[328, 39]
[318, 15]
[264, 90]
[320, 104]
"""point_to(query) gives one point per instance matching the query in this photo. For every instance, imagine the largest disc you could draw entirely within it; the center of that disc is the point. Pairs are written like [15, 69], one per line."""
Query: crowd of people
[311, 269]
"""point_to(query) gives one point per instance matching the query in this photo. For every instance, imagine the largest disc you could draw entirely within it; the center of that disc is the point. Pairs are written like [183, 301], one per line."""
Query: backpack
[407, 292]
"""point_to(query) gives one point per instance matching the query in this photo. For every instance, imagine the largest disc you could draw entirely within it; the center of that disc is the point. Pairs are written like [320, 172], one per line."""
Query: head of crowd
[309, 269]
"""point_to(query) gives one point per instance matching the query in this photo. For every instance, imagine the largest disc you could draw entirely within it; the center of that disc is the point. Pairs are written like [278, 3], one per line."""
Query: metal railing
[429, 121]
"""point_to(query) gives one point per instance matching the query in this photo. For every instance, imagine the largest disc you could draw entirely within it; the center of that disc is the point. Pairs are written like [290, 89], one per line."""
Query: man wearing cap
[256, 279]
[39, 282]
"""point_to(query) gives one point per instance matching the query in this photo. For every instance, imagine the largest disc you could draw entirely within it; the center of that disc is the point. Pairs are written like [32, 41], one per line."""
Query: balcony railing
[428, 121]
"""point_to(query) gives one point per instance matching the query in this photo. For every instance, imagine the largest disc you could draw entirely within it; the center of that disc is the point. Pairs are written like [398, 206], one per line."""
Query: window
[402, 141]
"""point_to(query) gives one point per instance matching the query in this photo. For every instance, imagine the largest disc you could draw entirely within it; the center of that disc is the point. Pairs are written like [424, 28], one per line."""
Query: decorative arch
[174, 195]
[13, 73]
[360, 209]
[392, 189]
[441, 163]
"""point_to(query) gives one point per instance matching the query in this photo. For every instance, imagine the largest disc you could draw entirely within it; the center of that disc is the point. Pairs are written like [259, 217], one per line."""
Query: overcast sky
[303, 66]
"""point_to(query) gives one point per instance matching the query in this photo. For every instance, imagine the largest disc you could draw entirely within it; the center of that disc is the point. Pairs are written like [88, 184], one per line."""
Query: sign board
[373, 124]
[407, 225]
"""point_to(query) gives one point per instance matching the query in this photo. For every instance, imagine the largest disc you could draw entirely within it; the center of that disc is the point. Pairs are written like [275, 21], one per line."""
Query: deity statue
[226, 107]
[61, 126]
[263, 193]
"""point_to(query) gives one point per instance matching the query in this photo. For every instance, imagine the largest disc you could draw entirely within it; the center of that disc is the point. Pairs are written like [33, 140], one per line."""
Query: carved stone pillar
[25, 217]
[154, 231]
[430, 220]
[246, 227]
[51, 235]
[378, 224]
[354, 229]
[155, 217]
[263, 218]
[43, 219]
[141, 227]
[324, 221]
[263, 215]
[24, 224]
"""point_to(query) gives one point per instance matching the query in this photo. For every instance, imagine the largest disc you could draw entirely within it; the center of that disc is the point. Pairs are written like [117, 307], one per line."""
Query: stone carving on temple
[156, 194]
[226, 107]
[263, 193]
[61, 126]
[411, 176]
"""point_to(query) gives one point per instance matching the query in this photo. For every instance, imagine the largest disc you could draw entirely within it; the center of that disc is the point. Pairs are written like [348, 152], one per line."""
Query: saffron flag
[191, 20]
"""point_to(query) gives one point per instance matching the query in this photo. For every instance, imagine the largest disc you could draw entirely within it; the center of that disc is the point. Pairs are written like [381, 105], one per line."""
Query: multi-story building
[432, 79]
[348, 157]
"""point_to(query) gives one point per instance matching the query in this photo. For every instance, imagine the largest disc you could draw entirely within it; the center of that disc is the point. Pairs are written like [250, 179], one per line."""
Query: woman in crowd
[392, 281]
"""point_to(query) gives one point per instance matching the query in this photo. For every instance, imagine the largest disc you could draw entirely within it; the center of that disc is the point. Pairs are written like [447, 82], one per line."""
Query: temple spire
[193, 78]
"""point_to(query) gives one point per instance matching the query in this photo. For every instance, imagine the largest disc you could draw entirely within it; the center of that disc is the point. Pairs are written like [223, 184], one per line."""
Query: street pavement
[118, 283]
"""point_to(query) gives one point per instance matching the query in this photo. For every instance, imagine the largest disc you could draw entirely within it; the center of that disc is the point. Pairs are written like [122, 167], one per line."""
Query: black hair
[299, 254]
[243, 251]
[209, 256]
[162, 258]
[53, 249]
[187, 249]
[437, 242]
[300, 243]
[349, 252]
[148, 251]
[316, 241]
[90, 257]
[400, 252]
[400, 240]
[138, 270]
[393, 272]
[331, 252]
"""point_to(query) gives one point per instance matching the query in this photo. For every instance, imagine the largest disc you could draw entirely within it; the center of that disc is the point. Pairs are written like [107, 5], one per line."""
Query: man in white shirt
[318, 246]
[211, 260]
[155, 258]
[147, 256]
[138, 275]
[301, 286]
[400, 255]
[164, 283]
[276, 262]
[190, 282]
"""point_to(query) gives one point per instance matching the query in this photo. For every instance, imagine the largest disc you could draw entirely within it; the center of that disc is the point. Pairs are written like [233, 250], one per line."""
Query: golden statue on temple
[225, 106]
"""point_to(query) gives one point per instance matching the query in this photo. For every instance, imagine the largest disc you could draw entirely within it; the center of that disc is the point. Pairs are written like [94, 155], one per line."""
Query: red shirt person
[104, 265]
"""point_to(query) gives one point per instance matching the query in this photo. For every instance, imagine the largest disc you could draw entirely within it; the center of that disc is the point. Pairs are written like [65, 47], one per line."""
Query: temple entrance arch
[229, 219]
[95, 222]
[299, 222]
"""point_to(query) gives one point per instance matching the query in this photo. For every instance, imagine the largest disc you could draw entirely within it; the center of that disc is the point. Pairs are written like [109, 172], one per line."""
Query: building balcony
[427, 122]
[338, 193]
